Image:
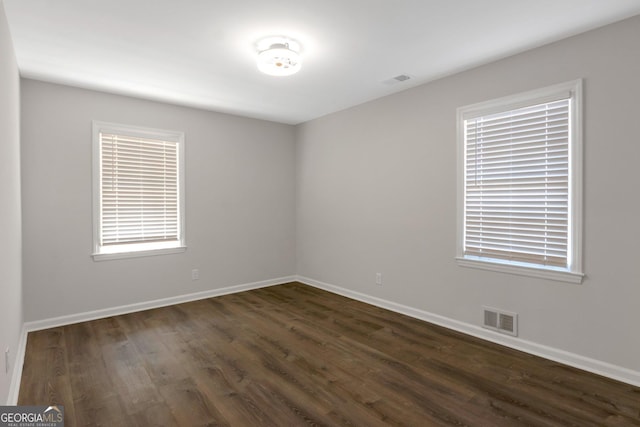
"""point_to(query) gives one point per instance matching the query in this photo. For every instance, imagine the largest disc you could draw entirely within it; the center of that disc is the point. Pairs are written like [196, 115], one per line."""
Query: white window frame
[132, 250]
[573, 273]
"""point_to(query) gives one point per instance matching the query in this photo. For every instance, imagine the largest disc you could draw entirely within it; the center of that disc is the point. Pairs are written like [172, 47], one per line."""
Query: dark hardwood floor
[294, 355]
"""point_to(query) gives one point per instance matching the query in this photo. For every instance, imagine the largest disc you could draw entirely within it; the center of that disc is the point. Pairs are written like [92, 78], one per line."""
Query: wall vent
[490, 319]
[500, 321]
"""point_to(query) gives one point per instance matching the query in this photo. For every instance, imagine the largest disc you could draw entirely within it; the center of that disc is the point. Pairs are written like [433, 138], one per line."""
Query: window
[138, 192]
[520, 184]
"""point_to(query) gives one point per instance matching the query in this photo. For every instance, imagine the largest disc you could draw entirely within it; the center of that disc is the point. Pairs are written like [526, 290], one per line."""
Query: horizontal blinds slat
[116, 222]
[118, 156]
[150, 217]
[492, 193]
[132, 187]
[123, 205]
[522, 171]
[143, 234]
[517, 117]
[139, 189]
[516, 172]
[550, 260]
[519, 251]
[141, 197]
[144, 225]
[137, 236]
[130, 146]
[520, 112]
[163, 159]
[158, 228]
[142, 229]
[496, 140]
[511, 158]
[541, 123]
[509, 130]
[137, 240]
[532, 233]
[136, 170]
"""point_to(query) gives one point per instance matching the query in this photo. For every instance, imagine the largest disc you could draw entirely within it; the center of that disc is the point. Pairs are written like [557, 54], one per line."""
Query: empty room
[341, 213]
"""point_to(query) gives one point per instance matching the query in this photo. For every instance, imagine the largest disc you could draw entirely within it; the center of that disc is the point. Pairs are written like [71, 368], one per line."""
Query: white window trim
[135, 250]
[574, 272]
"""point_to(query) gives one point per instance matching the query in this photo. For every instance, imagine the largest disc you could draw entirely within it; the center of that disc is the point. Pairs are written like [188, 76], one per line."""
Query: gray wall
[376, 192]
[240, 214]
[10, 228]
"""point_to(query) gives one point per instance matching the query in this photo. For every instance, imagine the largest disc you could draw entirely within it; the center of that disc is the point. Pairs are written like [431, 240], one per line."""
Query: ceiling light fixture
[280, 58]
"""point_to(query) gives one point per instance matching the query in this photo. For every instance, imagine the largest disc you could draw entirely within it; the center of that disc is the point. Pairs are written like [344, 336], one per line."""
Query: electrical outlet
[6, 361]
[195, 274]
[379, 279]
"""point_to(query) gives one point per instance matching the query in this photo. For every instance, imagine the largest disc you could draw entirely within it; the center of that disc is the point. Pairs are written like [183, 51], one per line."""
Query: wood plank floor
[294, 355]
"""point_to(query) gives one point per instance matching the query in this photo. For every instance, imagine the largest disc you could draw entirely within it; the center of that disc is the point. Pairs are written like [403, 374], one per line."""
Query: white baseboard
[14, 387]
[577, 361]
[132, 308]
[16, 376]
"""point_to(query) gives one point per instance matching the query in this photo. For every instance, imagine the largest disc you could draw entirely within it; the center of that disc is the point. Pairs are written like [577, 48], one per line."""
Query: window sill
[137, 254]
[558, 275]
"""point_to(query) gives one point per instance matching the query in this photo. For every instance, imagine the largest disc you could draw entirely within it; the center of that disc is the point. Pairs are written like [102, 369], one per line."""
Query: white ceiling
[202, 53]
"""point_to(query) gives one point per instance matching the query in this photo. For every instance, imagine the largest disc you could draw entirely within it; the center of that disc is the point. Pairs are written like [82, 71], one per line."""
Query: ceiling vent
[500, 321]
[397, 79]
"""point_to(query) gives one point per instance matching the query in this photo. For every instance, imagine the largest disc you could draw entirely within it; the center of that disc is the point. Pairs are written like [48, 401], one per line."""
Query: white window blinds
[139, 190]
[516, 184]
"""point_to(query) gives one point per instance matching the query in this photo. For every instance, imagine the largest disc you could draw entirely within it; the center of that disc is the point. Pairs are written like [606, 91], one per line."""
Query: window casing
[138, 191]
[520, 184]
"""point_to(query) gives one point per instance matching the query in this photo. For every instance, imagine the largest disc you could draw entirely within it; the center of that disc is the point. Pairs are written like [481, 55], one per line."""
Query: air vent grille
[397, 79]
[506, 322]
[402, 77]
[491, 318]
[501, 321]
